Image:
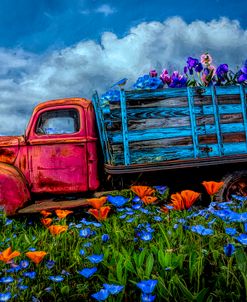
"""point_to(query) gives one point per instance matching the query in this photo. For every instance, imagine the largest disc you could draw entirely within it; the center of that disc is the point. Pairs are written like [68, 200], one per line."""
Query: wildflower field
[139, 244]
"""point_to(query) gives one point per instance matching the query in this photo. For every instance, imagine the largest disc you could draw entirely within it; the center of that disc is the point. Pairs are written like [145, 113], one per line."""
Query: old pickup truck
[142, 132]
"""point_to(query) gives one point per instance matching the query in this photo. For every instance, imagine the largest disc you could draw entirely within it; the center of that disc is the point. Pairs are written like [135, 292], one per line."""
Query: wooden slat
[161, 133]
[125, 134]
[180, 152]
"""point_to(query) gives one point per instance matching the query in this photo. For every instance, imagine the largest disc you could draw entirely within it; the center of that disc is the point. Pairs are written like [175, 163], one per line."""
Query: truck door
[57, 151]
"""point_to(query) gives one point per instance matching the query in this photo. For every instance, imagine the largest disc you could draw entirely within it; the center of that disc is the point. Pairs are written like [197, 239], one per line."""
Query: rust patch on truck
[7, 155]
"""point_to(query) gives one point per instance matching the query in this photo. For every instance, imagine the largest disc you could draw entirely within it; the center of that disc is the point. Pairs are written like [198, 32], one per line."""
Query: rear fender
[14, 192]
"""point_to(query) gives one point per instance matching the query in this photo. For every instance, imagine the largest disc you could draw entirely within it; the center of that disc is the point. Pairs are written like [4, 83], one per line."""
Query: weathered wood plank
[165, 112]
[179, 152]
[161, 133]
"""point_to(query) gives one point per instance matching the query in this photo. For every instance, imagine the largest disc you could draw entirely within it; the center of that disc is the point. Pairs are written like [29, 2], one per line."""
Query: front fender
[14, 192]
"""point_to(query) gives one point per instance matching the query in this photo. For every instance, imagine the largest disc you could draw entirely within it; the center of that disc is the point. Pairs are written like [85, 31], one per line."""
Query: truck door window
[58, 122]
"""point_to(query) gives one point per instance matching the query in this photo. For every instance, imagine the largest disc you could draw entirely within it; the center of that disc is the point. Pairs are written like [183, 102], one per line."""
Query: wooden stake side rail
[184, 124]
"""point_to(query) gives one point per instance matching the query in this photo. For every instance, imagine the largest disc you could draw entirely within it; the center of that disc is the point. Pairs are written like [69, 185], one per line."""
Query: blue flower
[200, 229]
[7, 279]
[88, 272]
[14, 269]
[5, 296]
[101, 295]
[242, 238]
[56, 278]
[24, 263]
[245, 227]
[130, 220]
[136, 198]
[22, 287]
[95, 258]
[122, 216]
[147, 298]
[229, 249]
[82, 252]
[30, 275]
[32, 249]
[65, 273]
[113, 289]
[84, 233]
[230, 231]
[137, 206]
[49, 264]
[105, 237]
[145, 236]
[161, 189]
[87, 244]
[147, 286]
[117, 201]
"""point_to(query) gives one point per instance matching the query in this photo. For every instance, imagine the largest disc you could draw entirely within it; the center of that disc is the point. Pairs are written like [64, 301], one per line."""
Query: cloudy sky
[52, 49]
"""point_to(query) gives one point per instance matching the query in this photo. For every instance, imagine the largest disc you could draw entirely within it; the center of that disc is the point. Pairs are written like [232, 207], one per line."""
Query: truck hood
[9, 146]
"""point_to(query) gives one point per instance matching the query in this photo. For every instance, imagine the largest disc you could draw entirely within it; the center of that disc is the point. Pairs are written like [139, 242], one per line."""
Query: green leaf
[187, 294]
[141, 257]
[149, 265]
[65, 290]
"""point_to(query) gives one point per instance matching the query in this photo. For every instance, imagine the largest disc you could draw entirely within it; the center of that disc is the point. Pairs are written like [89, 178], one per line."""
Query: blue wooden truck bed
[173, 128]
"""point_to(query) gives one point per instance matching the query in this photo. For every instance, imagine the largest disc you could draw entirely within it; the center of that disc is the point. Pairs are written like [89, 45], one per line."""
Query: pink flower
[206, 59]
[165, 78]
[153, 73]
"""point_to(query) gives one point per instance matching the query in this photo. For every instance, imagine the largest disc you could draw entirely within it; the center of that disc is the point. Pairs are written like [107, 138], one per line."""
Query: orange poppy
[212, 187]
[46, 221]
[142, 191]
[164, 210]
[184, 200]
[36, 256]
[62, 213]
[97, 203]
[45, 213]
[149, 199]
[100, 214]
[57, 229]
[8, 255]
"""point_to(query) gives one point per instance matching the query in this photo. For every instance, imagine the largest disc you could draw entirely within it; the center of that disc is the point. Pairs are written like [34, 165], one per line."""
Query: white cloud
[27, 79]
[105, 9]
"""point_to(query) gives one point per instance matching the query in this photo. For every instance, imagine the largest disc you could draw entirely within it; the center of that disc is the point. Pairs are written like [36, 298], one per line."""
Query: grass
[188, 266]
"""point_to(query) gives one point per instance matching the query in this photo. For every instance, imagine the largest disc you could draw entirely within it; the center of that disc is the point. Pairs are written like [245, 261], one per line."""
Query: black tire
[234, 183]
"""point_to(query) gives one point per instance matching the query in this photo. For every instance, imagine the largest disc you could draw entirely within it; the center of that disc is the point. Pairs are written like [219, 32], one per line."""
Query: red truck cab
[57, 154]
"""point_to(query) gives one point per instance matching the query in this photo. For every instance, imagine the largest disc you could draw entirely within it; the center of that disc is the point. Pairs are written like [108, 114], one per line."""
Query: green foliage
[188, 266]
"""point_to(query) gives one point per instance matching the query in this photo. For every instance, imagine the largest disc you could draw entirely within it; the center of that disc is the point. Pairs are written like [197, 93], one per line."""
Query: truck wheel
[234, 183]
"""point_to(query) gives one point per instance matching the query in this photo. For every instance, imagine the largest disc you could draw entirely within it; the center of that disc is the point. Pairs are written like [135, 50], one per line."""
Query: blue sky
[53, 49]
[39, 25]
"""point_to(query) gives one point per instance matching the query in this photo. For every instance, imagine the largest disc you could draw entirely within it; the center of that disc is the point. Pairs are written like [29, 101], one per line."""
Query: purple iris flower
[192, 62]
[199, 67]
[113, 289]
[177, 80]
[101, 295]
[229, 249]
[147, 286]
[117, 201]
[147, 298]
[88, 272]
[5, 296]
[221, 71]
[95, 258]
